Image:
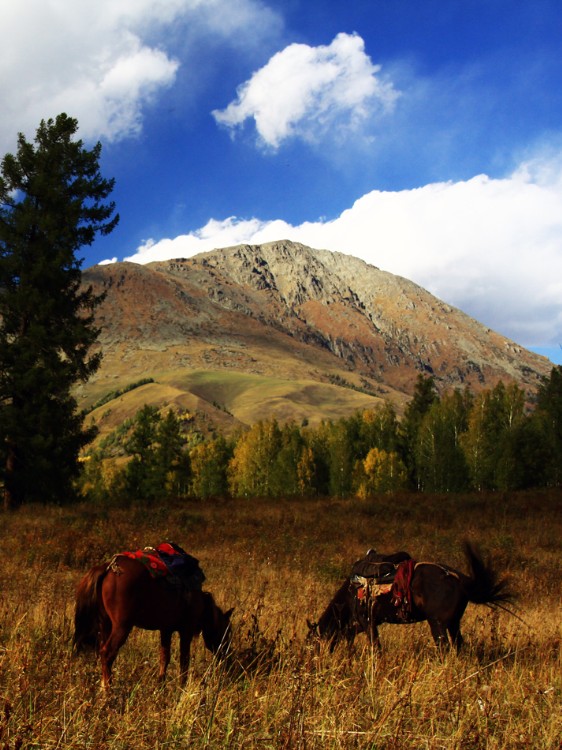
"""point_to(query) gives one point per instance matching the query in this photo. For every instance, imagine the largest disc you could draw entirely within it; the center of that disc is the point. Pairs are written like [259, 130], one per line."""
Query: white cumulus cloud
[304, 91]
[101, 61]
[87, 59]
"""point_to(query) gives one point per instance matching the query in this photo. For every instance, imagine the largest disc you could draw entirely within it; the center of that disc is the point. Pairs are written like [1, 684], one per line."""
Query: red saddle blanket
[151, 559]
[168, 559]
[401, 593]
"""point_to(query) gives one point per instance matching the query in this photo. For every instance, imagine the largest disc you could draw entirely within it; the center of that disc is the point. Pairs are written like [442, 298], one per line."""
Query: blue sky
[422, 136]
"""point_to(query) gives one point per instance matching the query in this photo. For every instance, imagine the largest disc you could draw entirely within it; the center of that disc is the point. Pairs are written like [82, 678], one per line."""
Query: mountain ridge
[284, 311]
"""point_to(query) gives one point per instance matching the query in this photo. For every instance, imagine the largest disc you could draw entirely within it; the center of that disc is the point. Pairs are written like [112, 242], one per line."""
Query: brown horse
[436, 593]
[116, 596]
[339, 618]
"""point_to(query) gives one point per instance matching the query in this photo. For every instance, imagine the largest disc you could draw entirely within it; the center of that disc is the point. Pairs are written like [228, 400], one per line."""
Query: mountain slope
[279, 328]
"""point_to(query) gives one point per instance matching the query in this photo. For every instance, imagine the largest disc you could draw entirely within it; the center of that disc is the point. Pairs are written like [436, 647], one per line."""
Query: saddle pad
[171, 561]
[369, 587]
[150, 558]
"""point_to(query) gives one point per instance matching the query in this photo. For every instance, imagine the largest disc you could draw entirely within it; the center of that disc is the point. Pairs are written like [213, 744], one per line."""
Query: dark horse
[116, 596]
[436, 593]
[339, 619]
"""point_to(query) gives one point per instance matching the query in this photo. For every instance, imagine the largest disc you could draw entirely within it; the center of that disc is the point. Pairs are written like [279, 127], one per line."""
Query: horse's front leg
[165, 651]
[454, 629]
[372, 628]
[186, 636]
[374, 636]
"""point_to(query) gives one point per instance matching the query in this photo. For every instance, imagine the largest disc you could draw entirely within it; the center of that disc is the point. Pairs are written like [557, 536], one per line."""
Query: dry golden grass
[279, 563]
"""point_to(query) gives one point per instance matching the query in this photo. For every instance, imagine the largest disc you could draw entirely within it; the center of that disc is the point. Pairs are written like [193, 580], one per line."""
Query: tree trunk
[11, 495]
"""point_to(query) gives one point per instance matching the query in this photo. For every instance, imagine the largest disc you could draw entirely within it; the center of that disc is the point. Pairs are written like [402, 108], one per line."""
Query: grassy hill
[224, 400]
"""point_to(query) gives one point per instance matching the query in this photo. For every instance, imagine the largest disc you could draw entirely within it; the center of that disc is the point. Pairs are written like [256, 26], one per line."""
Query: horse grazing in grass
[339, 621]
[433, 592]
[120, 594]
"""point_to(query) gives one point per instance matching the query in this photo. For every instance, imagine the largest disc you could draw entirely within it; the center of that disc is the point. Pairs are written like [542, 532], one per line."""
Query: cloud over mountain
[489, 246]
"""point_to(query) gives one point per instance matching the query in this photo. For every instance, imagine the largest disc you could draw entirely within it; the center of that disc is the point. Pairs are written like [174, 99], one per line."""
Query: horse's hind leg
[165, 649]
[440, 636]
[109, 651]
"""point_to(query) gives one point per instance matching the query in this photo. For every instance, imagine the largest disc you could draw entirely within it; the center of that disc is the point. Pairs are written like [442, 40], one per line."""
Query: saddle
[372, 577]
[169, 561]
[371, 566]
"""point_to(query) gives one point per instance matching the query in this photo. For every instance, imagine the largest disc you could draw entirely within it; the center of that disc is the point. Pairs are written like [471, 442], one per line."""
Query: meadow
[278, 563]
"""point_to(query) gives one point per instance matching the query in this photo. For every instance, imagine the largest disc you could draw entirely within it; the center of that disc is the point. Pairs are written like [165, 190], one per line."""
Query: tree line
[451, 443]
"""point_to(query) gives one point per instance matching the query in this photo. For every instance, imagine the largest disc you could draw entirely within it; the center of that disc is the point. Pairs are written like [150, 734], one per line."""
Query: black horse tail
[88, 610]
[483, 585]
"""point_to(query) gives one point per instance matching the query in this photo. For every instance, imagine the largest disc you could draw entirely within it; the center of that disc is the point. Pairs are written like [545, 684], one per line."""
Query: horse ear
[228, 613]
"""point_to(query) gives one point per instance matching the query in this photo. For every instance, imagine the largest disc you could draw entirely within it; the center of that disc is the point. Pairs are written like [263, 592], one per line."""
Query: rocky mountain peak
[282, 309]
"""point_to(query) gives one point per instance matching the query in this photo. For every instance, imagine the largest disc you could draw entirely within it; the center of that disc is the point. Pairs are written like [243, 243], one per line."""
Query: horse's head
[312, 628]
[336, 622]
[313, 635]
[217, 630]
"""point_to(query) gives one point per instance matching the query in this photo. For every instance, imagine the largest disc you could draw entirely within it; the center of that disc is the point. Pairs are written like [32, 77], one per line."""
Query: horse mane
[87, 612]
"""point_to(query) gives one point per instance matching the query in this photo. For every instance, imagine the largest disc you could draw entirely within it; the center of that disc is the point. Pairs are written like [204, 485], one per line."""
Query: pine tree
[51, 204]
[143, 480]
[341, 457]
[287, 481]
[549, 410]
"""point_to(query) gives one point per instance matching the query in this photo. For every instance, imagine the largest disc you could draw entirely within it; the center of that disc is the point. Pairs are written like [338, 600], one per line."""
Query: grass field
[278, 563]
